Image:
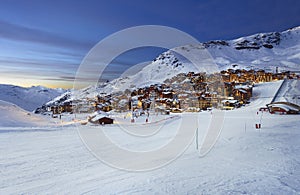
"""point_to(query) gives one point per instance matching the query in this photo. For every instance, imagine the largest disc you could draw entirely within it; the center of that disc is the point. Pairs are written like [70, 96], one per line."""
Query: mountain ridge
[28, 98]
[259, 51]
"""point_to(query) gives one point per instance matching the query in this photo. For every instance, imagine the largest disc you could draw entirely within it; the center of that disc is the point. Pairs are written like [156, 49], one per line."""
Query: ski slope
[290, 92]
[244, 160]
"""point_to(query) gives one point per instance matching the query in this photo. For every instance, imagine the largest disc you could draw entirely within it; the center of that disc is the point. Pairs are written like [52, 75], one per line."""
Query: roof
[243, 87]
[98, 117]
[99, 112]
[284, 107]
[241, 90]
[230, 101]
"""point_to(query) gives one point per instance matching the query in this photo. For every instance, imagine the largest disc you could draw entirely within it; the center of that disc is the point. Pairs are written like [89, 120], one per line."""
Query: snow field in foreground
[244, 160]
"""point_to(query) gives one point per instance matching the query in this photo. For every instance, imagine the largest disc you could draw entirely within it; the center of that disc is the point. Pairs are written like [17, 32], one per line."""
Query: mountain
[260, 51]
[28, 98]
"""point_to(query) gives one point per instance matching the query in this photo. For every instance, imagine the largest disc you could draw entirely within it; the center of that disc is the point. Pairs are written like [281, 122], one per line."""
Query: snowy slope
[290, 92]
[164, 66]
[13, 116]
[244, 160]
[28, 98]
[260, 51]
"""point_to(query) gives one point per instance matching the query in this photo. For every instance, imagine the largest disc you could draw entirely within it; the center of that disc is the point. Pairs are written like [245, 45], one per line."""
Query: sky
[43, 42]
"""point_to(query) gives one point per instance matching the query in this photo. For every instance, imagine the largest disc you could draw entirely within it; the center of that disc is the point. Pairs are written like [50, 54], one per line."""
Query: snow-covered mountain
[263, 51]
[260, 51]
[28, 98]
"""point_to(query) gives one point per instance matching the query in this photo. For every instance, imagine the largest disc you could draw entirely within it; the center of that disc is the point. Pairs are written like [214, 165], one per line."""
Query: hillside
[260, 51]
[13, 116]
[28, 98]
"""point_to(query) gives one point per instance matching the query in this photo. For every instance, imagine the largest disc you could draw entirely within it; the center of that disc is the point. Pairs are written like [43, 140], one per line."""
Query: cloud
[17, 32]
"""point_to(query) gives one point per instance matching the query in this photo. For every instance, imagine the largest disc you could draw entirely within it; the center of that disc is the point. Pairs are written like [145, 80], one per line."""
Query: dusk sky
[43, 42]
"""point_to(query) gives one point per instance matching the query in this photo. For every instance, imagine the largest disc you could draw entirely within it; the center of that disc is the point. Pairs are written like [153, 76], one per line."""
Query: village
[186, 92]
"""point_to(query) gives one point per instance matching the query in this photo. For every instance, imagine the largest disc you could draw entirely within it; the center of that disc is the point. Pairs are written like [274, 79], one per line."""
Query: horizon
[44, 43]
[247, 69]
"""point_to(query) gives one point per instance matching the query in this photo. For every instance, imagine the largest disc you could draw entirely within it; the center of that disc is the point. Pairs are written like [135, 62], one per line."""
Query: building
[101, 119]
[283, 108]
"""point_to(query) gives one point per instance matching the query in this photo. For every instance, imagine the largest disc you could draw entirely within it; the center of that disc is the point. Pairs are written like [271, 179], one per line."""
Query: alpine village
[186, 92]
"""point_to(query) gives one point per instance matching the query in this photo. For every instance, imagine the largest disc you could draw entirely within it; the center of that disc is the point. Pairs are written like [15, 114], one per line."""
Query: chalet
[205, 101]
[248, 88]
[283, 108]
[233, 77]
[241, 95]
[260, 76]
[225, 77]
[167, 94]
[55, 109]
[58, 109]
[176, 103]
[106, 107]
[84, 107]
[228, 88]
[214, 99]
[103, 120]
[100, 118]
[230, 104]
[268, 77]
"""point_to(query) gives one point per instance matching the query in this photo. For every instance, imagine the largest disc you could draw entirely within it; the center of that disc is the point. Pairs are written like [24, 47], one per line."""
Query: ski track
[243, 161]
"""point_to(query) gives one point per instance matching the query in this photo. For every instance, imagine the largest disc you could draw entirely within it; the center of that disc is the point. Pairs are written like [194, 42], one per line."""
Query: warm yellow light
[32, 82]
[139, 104]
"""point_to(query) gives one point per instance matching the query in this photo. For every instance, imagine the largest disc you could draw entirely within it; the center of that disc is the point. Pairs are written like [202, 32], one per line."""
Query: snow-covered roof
[242, 86]
[284, 107]
[242, 90]
[97, 117]
[230, 101]
[99, 112]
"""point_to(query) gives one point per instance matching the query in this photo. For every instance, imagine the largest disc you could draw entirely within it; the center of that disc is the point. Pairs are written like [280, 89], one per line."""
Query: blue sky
[43, 42]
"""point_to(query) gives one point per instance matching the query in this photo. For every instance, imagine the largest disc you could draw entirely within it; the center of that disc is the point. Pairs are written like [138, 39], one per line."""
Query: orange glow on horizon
[29, 83]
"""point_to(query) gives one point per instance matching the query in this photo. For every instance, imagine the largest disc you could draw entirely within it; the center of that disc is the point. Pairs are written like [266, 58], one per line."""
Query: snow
[216, 57]
[28, 98]
[290, 92]
[243, 161]
[285, 107]
[265, 58]
[97, 117]
[230, 101]
[39, 154]
[13, 116]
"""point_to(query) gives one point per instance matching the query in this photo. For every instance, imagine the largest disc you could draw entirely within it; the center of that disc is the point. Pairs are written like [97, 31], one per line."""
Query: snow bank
[13, 116]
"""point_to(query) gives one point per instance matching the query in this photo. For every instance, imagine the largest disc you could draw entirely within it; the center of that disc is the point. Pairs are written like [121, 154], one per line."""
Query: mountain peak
[258, 51]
